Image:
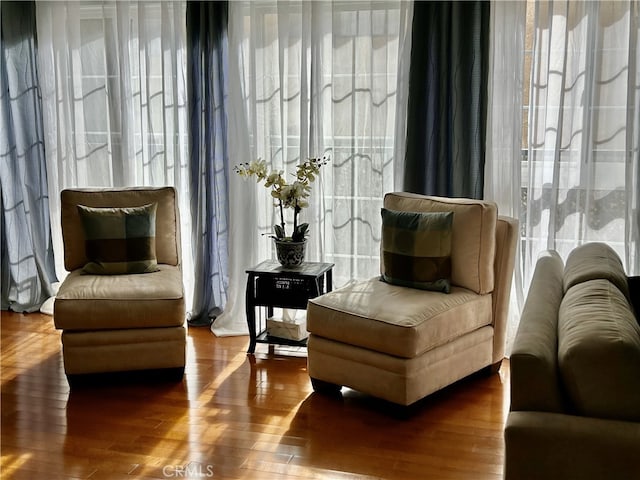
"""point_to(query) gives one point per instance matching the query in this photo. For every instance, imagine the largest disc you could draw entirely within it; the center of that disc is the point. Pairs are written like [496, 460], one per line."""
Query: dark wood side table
[270, 285]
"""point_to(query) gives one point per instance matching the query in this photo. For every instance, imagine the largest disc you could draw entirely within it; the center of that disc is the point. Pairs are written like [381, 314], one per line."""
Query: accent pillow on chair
[119, 240]
[416, 249]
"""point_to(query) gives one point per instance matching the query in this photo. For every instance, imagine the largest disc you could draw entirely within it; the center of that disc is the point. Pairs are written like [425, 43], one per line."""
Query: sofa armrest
[535, 384]
[541, 445]
[634, 294]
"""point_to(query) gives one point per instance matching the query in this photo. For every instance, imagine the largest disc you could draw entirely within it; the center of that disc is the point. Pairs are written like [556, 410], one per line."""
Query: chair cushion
[123, 350]
[473, 240]
[399, 321]
[120, 240]
[399, 380]
[416, 249]
[599, 351]
[93, 302]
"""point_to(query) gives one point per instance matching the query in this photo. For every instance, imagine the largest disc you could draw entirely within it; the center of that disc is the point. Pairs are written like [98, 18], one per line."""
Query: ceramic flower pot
[290, 254]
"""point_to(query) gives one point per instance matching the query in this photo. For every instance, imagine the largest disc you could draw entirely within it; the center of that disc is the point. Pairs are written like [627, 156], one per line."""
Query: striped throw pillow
[119, 240]
[416, 249]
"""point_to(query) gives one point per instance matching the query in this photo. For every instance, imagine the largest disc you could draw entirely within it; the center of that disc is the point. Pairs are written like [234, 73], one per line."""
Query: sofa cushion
[599, 351]
[94, 302]
[473, 240]
[120, 240]
[416, 249]
[595, 260]
[399, 321]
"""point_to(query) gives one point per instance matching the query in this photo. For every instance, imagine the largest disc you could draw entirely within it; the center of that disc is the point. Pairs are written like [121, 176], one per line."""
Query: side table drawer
[285, 292]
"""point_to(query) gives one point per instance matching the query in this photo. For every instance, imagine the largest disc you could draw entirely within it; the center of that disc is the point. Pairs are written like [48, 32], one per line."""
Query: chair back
[167, 219]
[473, 236]
[483, 249]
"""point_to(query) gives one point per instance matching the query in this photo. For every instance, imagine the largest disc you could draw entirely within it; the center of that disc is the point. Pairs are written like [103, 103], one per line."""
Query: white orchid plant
[293, 195]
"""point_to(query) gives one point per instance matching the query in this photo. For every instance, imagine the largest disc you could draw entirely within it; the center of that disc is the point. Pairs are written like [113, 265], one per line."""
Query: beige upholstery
[556, 446]
[599, 351]
[575, 373]
[534, 358]
[422, 321]
[595, 261]
[400, 343]
[167, 225]
[474, 235]
[146, 300]
[121, 322]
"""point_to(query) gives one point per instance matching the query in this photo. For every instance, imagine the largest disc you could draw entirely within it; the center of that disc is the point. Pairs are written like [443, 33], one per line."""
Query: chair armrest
[506, 241]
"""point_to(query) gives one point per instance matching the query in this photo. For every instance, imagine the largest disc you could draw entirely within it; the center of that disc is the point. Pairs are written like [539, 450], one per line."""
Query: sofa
[121, 314]
[402, 343]
[575, 372]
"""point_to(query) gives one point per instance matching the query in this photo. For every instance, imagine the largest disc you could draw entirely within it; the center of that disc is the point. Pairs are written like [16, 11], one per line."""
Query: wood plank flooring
[233, 416]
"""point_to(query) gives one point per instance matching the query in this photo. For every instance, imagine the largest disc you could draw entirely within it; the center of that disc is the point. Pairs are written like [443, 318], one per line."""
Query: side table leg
[251, 313]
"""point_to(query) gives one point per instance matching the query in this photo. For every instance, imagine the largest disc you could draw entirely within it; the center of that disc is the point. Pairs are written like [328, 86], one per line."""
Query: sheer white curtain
[504, 127]
[578, 176]
[582, 170]
[113, 80]
[311, 79]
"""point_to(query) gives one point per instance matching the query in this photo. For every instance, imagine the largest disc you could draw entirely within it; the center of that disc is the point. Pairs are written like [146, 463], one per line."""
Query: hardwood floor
[233, 416]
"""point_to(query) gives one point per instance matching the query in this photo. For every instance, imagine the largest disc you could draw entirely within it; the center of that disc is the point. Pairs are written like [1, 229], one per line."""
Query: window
[321, 79]
[577, 129]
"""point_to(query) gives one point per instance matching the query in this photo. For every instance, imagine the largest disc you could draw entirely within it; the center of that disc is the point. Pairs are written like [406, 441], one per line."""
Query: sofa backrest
[595, 260]
[598, 336]
[167, 219]
[577, 348]
[473, 239]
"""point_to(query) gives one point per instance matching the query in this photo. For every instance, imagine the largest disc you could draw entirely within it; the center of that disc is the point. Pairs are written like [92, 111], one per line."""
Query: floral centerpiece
[292, 195]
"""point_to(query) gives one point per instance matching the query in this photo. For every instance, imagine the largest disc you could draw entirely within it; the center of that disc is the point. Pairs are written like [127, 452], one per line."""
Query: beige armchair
[401, 344]
[113, 320]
